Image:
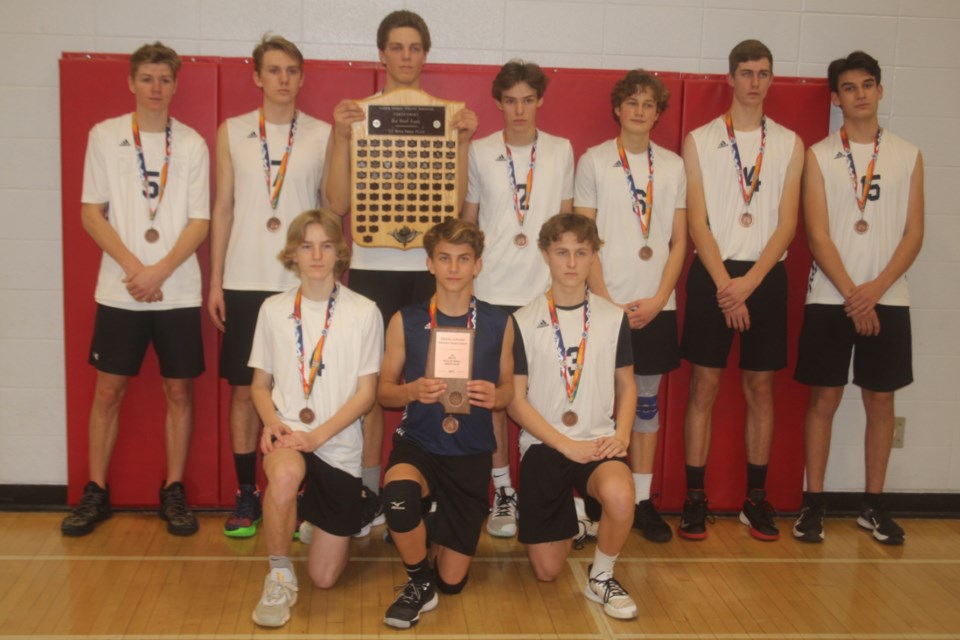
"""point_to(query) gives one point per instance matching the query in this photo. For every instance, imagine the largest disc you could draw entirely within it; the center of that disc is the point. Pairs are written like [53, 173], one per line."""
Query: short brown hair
[275, 43]
[454, 231]
[634, 82]
[402, 18]
[858, 60]
[748, 51]
[582, 227]
[297, 232]
[517, 71]
[156, 53]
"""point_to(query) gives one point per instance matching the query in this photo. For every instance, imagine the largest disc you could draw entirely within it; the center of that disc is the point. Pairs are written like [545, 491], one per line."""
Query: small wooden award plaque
[450, 358]
[403, 169]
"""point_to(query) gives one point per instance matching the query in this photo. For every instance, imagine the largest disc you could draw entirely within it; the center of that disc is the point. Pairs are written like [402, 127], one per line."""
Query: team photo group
[555, 278]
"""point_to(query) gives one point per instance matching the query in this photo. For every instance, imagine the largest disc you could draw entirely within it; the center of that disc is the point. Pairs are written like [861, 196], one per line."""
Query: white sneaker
[279, 594]
[616, 602]
[503, 517]
[306, 532]
[586, 528]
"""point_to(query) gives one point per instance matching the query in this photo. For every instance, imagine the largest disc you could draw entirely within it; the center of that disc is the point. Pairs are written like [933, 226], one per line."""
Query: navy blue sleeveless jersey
[421, 423]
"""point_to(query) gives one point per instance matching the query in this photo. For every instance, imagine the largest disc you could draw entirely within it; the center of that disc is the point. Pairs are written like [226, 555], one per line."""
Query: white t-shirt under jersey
[602, 185]
[513, 275]
[721, 188]
[251, 263]
[864, 255]
[546, 390]
[111, 176]
[353, 348]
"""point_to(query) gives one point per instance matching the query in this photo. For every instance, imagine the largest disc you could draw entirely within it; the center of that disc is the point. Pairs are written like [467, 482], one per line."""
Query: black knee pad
[451, 589]
[401, 505]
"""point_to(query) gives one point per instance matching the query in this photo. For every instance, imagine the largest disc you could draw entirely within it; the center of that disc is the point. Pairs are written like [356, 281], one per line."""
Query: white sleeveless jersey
[602, 185]
[545, 387]
[721, 187]
[251, 263]
[111, 176]
[513, 275]
[864, 255]
[353, 348]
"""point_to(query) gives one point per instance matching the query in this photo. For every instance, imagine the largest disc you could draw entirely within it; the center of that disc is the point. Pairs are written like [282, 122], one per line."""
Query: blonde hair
[297, 232]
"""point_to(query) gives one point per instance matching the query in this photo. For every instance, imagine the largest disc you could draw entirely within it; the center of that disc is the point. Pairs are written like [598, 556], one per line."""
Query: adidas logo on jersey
[252, 134]
[543, 324]
[723, 144]
[427, 326]
[501, 158]
[839, 155]
[617, 165]
[125, 143]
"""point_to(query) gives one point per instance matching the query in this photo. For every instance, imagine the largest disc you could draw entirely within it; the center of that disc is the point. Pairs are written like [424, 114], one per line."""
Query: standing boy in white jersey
[439, 456]
[269, 169]
[146, 199]
[863, 200]
[642, 256]
[576, 425]
[391, 277]
[316, 353]
[743, 187]
[504, 168]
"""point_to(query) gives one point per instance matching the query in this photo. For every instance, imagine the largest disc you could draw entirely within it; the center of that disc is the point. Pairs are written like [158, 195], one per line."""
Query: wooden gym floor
[130, 579]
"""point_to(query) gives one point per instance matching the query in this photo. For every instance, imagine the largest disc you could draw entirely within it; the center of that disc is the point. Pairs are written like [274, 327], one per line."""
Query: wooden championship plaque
[403, 169]
[450, 358]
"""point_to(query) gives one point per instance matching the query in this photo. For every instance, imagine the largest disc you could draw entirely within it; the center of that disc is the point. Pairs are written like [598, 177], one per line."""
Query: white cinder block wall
[916, 41]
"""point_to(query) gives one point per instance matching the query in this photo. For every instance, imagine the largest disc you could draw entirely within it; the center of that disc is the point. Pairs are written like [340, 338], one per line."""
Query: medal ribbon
[513, 177]
[471, 317]
[142, 165]
[309, 376]
[274, 193]
[571, 384]
[747, 195]
[861, 198]
[643, 209]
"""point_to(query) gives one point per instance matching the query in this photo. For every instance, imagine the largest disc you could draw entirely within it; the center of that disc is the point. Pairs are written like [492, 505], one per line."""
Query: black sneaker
[758, 514]
[174, 509]
[246, 515]
[94, 507]
[693, 519]
[416, 598]
[884, 528]
[647, 520]
[809, 524]
[371, 510]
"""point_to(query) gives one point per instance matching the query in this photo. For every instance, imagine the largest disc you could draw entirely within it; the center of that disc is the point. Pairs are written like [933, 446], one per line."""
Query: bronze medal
[273, 223]
[646, 253]
[307, 415]
[456, 399]
[520, 240]
[450, 425]
[569, 418]
[746, 219]
[861, 226]
[152, 235]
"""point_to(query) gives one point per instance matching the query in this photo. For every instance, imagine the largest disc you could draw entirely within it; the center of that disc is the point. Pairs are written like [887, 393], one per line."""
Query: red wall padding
[576, 106]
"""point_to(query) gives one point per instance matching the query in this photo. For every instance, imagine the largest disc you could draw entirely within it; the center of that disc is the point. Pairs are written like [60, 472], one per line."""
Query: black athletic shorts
[459, 485]
[331, 500]
[242, 309]
[121, 336]
[706, 338]
[880, 363]
[547, 480]
[392, 290]
[656, 347]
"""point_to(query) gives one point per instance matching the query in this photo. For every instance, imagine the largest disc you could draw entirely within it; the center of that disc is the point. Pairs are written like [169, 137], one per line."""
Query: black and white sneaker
[884, 528]
[758, 514]
[648, 521]
[693, 519]
[809, 524]
[416, 598]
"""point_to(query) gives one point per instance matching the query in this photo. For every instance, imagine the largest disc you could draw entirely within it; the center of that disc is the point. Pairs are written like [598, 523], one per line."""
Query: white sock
[283, 568]
[641, 485]
[501, 477]
[602, 565]
[370, 476]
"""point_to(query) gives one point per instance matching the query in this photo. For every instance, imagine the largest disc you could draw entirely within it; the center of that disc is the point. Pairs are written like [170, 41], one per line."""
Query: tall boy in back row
[518, 177]
[863, 204]
[743, 188]
[641, 259]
